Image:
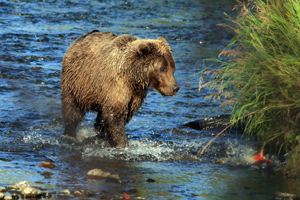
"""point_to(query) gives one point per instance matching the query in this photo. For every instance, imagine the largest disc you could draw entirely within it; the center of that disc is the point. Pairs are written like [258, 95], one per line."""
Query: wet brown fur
[111, 74]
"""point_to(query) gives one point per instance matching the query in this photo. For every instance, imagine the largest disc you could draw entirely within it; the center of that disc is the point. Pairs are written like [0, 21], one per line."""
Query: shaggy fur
[111, 74]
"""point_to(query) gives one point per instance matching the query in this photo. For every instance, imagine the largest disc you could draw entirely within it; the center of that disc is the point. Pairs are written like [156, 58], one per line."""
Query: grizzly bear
[110, 74]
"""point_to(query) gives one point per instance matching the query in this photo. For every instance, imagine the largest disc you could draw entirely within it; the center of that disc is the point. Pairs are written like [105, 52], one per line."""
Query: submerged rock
[88, 193]
[47, 174]
[47, 165]
[219, 122]
[97, 173]
[113, 178]
[150, 180]
[46, 195]
[2, 189]
[285, 196]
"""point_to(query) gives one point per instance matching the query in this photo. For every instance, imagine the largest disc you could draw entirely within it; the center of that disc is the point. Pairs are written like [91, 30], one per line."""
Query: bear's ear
[144, 49]
[162, 40]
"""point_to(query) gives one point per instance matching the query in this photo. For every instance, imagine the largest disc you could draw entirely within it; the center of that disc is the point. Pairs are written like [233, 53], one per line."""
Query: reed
[261, 79]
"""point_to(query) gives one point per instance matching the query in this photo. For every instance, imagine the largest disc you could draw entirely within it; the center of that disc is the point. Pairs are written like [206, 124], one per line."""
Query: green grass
[261, 80]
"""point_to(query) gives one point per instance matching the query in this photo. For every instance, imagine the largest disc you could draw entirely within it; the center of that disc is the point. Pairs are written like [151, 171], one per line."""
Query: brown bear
[111, 74]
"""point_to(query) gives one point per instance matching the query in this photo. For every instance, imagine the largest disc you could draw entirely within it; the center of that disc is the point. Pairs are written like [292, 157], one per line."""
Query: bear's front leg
[114, 123]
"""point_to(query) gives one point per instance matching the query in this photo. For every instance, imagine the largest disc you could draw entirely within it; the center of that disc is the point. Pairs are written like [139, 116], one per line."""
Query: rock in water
[77, 194]
[214, 123]
[1, 195]
[19, 186]
[15, 197]
[65, 193]
[31, 192]
[97, 173]
[47, 165]
[285, 196]
[7, 198]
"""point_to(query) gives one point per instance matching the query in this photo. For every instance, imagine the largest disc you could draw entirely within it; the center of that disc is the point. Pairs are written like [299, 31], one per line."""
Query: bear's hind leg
[99, 126]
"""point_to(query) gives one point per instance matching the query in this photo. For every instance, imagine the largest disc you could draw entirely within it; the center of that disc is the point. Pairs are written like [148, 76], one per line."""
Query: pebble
[1, 195]
[47, 165]
[47, 174]
[2, 189]
[8, 198]
[65, 193]
[31, 192]
[77, 194]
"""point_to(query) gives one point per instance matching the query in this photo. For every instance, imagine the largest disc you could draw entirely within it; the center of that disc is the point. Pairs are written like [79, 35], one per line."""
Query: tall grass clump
[261, 80]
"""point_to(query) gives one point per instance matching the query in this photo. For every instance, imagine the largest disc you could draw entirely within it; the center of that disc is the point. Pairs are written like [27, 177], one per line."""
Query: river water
[163, 159]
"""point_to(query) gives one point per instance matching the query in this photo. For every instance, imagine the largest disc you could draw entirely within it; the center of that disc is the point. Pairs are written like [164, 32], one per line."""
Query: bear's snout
[170, 90]
[175, 88]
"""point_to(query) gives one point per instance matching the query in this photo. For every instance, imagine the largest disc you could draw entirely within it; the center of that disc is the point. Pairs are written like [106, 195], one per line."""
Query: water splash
[137, 150]
[35, 137]
[239, 154]
[84, 133]
[242, 155]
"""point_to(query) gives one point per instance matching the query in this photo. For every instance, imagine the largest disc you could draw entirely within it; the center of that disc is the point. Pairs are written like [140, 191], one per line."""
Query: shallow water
[34, 37]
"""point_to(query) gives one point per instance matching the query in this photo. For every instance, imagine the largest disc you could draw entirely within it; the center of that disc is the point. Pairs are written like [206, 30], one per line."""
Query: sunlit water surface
[35, 35]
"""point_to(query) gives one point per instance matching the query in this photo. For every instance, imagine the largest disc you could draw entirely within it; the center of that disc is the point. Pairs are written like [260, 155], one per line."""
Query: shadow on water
[163, 158]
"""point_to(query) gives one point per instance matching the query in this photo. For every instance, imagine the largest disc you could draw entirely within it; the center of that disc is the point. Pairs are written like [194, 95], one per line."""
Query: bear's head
[159, 65]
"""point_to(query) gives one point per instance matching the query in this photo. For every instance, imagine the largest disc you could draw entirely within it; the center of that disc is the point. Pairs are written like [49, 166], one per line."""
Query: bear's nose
[175, 88]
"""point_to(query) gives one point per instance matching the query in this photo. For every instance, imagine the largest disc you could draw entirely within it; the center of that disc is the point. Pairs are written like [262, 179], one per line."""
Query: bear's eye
[162, 69]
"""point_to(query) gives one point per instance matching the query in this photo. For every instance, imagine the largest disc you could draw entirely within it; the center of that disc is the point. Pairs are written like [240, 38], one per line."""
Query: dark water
[34, 36]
